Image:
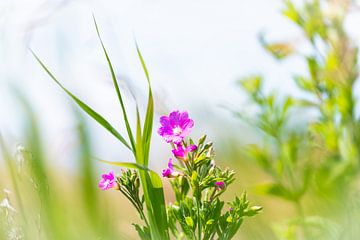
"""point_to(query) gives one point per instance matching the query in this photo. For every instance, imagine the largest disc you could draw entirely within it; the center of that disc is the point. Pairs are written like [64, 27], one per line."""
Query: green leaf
[148, 124]
[158, 202]
[278, 190]
[304, 84]
[142, 231]
[97, 117]
[155, 204]
[142, 62]
[251, 84]
[118, 92]
[139, 142]
[126, 165]
[209, 222]
[279, 50]
[291, 12]
[189, 221]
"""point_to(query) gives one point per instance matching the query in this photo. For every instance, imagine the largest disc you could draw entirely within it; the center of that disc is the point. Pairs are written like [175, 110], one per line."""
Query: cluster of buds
[198, 183]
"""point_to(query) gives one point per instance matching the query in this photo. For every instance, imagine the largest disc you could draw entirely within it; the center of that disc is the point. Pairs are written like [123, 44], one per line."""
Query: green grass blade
[142, 62]
[148, 124]
[118, 92]
[39, 172]
[154, 198]
[97, 117]
[158, 201]
[139, 142]
[153, 190]
[126, 165]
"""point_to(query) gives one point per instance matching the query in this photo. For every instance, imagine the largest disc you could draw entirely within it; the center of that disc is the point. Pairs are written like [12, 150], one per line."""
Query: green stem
[137, 207]
[198, 203]
[141, 212]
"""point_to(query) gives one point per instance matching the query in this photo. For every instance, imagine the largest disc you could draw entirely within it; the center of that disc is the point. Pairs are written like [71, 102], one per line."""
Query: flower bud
[202, 140]
[220, 185]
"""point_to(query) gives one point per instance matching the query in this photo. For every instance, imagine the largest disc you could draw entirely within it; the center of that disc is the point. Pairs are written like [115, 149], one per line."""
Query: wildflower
[108, 181]
[182, 153]
[169, 172]
[220, 185]
[175, 127]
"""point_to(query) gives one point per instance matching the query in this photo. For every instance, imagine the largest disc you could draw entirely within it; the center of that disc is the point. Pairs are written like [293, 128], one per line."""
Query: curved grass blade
[139, 140]
[148, 124]
[157, 230]
[118, 92]
[127, 165]
[97, 117]
[153, 190]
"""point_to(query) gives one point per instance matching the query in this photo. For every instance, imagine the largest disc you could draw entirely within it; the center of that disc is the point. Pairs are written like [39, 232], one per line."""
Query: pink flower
[175, 127]
[182, 153]
[108, 181]
[220, 185]
[169, 172]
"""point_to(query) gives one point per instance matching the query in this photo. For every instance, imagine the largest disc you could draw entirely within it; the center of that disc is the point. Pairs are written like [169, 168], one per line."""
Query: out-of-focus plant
[38, 207]
[198, 183]
[316, 158]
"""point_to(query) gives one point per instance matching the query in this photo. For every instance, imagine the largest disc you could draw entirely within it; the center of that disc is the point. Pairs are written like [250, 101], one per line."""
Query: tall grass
[43, 204]
[139, 145]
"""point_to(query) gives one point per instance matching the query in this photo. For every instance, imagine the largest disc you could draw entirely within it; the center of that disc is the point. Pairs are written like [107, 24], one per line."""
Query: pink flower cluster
[174, 128]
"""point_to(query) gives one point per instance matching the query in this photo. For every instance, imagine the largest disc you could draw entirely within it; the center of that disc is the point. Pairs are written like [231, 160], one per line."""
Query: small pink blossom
[220, 185]
[108, 181]
[169, 172]
[182, 153]
[175, 127]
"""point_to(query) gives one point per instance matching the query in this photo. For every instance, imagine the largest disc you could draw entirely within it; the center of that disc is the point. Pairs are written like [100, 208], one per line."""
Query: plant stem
[198, 203]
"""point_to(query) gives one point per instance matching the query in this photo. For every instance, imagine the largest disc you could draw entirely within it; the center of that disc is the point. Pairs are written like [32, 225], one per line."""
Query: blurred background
[196, 52]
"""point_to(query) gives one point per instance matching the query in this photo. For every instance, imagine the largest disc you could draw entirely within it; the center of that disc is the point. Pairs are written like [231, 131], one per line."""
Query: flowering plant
[197, 182]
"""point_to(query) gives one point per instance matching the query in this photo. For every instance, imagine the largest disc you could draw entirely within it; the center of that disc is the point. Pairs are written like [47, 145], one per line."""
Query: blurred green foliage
[44, 205]
[313, 161]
